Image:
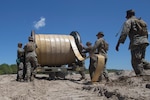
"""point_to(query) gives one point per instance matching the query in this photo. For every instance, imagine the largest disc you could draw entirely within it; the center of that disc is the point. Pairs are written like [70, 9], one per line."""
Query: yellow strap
[75, 49]
[99, 67]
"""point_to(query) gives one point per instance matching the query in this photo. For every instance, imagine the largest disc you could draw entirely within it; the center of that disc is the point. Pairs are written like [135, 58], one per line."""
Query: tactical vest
[30, 47]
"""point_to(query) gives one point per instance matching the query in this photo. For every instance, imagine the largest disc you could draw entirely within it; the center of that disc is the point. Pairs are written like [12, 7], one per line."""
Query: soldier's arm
[86, 49]
[124, 34]
[96, 45]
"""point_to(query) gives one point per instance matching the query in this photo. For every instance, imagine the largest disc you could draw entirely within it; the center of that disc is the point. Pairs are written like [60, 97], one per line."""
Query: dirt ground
[123, 86]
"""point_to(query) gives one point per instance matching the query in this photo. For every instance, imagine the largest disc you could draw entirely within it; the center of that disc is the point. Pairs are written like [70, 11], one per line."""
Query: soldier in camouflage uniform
[31, 59]
[99, 48]
[20, 62]
[88, 49]
[138, 44]
[82, 63]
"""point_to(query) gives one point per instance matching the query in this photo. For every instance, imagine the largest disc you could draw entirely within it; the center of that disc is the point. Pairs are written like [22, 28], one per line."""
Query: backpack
[106, 46]
[141, 26]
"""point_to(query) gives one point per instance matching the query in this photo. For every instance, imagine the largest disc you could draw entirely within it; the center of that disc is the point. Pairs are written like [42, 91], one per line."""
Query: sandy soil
[123, 86]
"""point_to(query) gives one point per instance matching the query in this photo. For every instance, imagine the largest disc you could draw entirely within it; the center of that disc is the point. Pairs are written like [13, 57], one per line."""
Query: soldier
[138, 44]
[20, 62]
[99, 46]
[82, 63]
[31, 59]
[82, 73]
[88, 49]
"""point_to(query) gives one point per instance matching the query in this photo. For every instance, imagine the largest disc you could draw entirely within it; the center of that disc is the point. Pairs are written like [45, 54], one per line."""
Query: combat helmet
[130, 13]
[100, 33]
[19, 44]
[30, 38]
[88, 43]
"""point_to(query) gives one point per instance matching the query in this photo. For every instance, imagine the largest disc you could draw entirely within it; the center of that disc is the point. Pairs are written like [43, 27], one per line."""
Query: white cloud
[40, 23]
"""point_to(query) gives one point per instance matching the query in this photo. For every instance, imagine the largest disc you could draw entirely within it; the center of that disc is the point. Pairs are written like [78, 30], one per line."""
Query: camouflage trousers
[138, 59]
[105, 72]
[20, 71]
[92, 66]
[31, 64]
[82, 73]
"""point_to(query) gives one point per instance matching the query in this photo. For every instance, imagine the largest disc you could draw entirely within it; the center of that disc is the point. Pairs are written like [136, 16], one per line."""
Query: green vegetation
[12, 69]
[8, 69]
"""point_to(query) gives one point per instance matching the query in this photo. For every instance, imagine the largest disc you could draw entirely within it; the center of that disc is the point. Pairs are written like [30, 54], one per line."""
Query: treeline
[8, 69]
[12, 69]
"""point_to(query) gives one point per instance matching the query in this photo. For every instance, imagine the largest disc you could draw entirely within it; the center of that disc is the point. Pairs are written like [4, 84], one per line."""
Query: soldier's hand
[117, 47]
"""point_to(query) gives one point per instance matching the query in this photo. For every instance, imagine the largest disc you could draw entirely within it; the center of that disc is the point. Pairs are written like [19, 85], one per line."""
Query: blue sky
[88, 17]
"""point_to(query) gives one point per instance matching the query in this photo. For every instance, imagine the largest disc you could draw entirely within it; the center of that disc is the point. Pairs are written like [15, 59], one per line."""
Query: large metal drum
[54, 50]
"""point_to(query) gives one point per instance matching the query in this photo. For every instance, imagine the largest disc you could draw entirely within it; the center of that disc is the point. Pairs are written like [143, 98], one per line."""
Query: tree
[14, 68]
[8, 69]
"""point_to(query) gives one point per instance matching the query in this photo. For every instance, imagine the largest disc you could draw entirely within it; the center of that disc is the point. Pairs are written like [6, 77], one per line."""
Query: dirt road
[120, 88]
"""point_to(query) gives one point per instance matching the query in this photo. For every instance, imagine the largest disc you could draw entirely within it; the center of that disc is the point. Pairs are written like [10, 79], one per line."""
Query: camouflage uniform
[82, 73]
[31, 60]
[138, 44]
[88, 49]
[20, 62]
[99, 46]
[81, 63]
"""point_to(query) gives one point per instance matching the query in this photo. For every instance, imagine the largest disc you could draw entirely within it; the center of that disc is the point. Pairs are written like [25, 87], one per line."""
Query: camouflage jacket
[98, 47]
[33, 53]
[135, 39]
[88, 50]
[20, 53]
